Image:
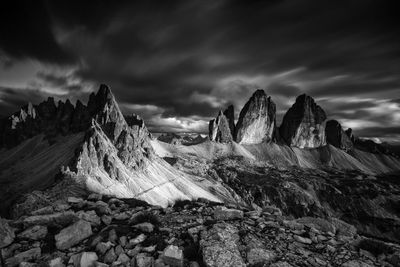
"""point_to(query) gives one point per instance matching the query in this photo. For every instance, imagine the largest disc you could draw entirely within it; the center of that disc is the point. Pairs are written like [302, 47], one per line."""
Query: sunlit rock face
[256, 120]
[336, 136]
[127, 134]
[303, 125]
[219, 130]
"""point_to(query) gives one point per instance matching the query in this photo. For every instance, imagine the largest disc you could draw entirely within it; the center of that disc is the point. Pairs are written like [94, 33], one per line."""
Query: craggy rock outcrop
[128, 135]
[370, 146]
[189, 233]
[303, 125]
[230, 116]
[6, 234]
[367, 202]
[51, 120]
[336, 136]
[349, 133]
[221, 251]
[257, 120]
[219, 129]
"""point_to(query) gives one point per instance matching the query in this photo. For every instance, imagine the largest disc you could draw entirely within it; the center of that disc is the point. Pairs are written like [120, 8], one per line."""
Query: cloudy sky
[176, 63]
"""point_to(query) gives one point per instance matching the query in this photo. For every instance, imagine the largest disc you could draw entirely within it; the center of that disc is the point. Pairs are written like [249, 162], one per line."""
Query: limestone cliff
[257, 120]
[303, 125]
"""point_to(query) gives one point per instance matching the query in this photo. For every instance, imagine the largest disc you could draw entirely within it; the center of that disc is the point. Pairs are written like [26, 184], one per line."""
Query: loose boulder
[73, 234]
[223, 213]
[173, 256]
[6, 234]
[219, 246]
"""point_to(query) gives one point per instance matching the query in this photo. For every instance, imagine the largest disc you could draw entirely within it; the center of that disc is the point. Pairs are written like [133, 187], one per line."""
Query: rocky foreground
[105, 231]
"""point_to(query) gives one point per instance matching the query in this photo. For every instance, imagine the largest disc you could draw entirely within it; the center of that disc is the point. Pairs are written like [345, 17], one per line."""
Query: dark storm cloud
[187, 59]
[11, 98]
[25, 32]
[378, 131]
[283, 90]
[397, 101]
[52, 79]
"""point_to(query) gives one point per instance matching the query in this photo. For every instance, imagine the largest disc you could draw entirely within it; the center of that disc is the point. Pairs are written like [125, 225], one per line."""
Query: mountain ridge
[106, 153]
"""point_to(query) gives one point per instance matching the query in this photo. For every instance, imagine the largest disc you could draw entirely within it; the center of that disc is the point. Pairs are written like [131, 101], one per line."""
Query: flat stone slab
[73, 234]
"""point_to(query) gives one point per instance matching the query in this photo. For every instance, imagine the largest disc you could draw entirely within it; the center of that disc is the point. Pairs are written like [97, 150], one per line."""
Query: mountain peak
[104, 93]
[304, 124]
[259, 93]
[64, 118]
[219, 129]
[256, 120]
[336, 136]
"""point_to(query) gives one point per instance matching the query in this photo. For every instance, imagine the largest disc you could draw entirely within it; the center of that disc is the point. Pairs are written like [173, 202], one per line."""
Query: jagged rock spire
[304, 124]
[219, 130]
[257, 120]
[336, 136]
[51, 119]
[230, 116]
[349, 133]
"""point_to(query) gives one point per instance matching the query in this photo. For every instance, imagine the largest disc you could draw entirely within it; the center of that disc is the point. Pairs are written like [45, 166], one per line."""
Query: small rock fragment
[28, 255]
[142, 260]
[84, 259]
[6, 234]
[145, 227]
[173, 256]
[36, 232]
[223, 213]
[259, 256]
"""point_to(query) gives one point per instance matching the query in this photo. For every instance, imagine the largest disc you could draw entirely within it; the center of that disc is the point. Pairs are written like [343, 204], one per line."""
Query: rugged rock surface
[367, 202]
[6, 234]
[51, 120]
[303, 125]
[230, 115]
[349, 133]
[191, 233]
[370, 146]
[219, 129]
[46, 118]
[257, 120]
[337, 137]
